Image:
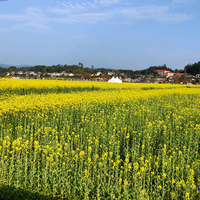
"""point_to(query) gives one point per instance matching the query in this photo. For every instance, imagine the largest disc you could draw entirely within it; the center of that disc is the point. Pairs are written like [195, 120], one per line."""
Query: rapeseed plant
[126, 142]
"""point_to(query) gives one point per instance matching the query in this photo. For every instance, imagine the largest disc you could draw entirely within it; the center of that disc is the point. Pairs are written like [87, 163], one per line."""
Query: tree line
[192, 69]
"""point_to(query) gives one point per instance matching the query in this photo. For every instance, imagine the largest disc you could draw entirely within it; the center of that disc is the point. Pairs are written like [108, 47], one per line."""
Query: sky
[117, 34]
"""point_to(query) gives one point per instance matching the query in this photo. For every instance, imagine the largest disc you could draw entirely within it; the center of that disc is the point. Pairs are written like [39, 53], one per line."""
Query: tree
[12, 68]
[80, 64]
[92, 67]
[133, 76]
[185, 74]
[180, 79]
[78, 71]
[165, 66]
[155, 74]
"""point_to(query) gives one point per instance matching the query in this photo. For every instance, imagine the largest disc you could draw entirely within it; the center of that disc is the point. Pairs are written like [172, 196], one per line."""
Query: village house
[110, 73]
[163, 72]
[169, 74]
[70, 74]
[98, 73]
[197, 75]
[29, 73]
[12, 73]
[20, 72]
[177, 75]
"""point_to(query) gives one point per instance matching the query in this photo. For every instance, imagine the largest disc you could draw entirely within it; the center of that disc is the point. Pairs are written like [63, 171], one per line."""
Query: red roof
[178, 74]
[161, 70]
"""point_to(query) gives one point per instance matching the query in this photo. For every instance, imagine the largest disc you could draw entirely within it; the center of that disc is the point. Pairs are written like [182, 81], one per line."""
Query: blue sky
[119, 34]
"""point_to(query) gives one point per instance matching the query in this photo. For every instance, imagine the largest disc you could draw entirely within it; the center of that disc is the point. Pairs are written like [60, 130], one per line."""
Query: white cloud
[141, 13]
[11, 17]
[31, 26]
[67, 8]
[182, 1]
[158, 13]
[107, 2]
[175, 18]
[35, 18]
[84, 18]
[31, 19]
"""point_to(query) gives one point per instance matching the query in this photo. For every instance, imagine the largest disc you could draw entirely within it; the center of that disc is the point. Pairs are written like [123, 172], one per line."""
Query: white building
[98, 74]
[197, 75]
[169, 74]
[110, 73]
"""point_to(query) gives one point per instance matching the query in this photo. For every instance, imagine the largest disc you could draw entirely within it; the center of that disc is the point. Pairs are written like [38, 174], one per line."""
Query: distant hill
[18, 66]
[9, 65]
[4, 65]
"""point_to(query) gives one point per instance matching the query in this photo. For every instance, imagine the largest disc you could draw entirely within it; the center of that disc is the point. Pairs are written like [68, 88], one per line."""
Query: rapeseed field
[90, 140]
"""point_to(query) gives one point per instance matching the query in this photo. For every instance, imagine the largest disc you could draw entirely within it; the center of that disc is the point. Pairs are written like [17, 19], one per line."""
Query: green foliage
[12, 193]
[152, 69]
[193, 69]
[156, 136]
[80, 69]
